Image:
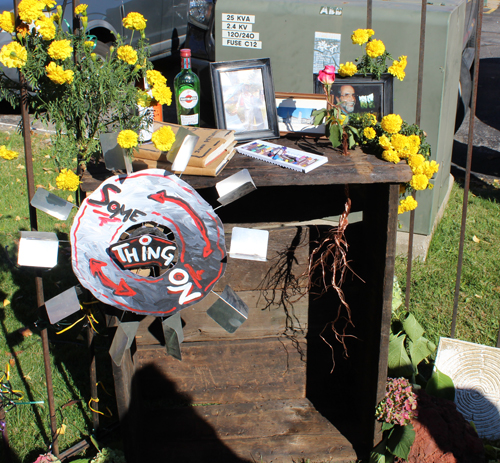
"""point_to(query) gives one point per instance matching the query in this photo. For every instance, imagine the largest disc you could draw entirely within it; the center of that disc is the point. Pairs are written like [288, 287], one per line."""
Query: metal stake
[423, 19]
[470, 144]
[34, 227]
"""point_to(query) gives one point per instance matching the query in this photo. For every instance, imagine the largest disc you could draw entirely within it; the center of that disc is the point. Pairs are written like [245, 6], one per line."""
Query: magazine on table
[282, 155]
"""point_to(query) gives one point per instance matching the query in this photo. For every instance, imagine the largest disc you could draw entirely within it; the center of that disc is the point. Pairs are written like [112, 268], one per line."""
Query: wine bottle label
[191, 119]
[188, 98]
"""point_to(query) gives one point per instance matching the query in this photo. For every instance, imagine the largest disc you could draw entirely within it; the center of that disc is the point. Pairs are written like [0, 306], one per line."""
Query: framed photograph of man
[244, 98]
[360, 94]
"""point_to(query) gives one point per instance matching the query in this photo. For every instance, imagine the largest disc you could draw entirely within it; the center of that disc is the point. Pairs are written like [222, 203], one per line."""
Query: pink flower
[327, 75]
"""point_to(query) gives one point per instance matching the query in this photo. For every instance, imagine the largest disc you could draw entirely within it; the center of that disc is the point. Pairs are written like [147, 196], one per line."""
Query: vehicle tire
[102, 49]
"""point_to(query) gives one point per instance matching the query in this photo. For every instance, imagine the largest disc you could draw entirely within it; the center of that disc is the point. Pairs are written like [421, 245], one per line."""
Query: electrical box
[287, 32]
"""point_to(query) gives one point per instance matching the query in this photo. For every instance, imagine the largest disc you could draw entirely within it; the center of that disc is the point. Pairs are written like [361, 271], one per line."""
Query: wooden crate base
[276, 431]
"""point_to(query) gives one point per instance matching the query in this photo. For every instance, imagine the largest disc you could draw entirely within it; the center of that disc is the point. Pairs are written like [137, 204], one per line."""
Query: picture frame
[244, 100]
[362, 93]
[294, 112]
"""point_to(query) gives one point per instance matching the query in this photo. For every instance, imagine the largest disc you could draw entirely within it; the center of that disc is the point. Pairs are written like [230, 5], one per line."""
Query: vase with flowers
[80, 93]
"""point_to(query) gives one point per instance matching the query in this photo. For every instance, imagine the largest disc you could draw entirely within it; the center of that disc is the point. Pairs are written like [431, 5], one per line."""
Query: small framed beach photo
[244, 100]
[295, 113]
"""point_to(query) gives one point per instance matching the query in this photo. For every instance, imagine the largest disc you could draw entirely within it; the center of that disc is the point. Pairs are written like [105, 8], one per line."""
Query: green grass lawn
[433, 281]
[28, 426]
[433, 284]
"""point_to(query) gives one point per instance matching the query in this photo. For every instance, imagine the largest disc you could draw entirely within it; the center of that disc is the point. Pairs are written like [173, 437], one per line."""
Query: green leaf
[419, 350]
[377, 455]
[399, 362]
[386, 426]
[440, 385]
[400, 441]
[319, 115]
[412, 327]
[335, 135]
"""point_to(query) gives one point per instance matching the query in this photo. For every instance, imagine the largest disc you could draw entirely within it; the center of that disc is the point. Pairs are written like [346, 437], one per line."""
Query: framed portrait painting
[244, 99]
[360, 94]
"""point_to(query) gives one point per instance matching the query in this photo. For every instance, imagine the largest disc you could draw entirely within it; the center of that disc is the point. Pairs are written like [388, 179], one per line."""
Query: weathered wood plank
[263, 321]
[276, 431]
[229, 371]
[357, 167]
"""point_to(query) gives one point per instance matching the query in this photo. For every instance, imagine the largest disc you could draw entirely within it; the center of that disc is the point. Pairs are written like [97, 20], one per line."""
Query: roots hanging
[329, 259]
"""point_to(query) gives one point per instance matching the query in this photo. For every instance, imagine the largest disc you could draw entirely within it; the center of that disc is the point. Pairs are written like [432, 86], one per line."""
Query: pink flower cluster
[399, 404]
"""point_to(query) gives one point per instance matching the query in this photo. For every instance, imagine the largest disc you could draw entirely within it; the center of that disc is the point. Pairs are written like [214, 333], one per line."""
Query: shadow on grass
[69, 351]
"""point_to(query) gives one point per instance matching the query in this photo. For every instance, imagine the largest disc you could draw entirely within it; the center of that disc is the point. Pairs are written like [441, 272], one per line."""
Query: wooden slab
[228, 371]
[263, 321]
[271, 431]
[356, 168]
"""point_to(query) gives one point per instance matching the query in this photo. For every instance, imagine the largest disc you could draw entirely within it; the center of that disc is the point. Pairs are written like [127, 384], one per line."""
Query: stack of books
[214, 149]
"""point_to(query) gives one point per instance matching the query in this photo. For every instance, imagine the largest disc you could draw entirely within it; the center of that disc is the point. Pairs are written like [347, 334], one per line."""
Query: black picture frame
[244, 100]
[377, 93]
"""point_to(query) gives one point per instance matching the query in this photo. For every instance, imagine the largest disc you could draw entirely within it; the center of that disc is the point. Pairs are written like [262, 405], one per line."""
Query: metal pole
[369, 14]
[34, 227]
[423, 20]
[470, 144]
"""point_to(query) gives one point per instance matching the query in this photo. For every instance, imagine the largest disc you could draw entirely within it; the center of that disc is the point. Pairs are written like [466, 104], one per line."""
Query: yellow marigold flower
[143, 99]
[127, 53]
[369, 133]
[384, 142]
[67, 180]
[430, 168]
[46, 27]
[415, 162]
[127, 139]
[370, 32]
[49, 3]
[30, 10]
[375, 48]
[7, 154]
[391, 156]
[134, 21]
[399, 141]
[392, 123]
[342, 118]
[80, 9]
[419, 182]
[407, 204]
[13, 55]
[155, 78]
[163, 138]
[7, 21]
[58, 75]
[414, 144]
[162, 94]
[89, 44]
[348, 69]
[361, 36]
[397, 71]
[60, 49]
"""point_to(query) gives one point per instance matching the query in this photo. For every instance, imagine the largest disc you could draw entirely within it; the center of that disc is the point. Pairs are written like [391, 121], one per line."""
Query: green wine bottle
[187, 92]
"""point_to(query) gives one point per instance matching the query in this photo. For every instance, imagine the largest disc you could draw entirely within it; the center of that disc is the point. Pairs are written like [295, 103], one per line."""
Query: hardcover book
[211, 144]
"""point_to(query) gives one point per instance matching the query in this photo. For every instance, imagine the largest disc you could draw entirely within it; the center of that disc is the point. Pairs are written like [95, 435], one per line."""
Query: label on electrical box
[257, 44]
[237, 31]
[239, 18]
[240, 35]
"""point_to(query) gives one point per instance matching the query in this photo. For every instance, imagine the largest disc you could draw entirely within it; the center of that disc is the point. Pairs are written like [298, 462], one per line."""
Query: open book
[282, 155]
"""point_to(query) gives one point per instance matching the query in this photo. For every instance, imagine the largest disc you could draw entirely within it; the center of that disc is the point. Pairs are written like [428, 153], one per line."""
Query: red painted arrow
[120, 289]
